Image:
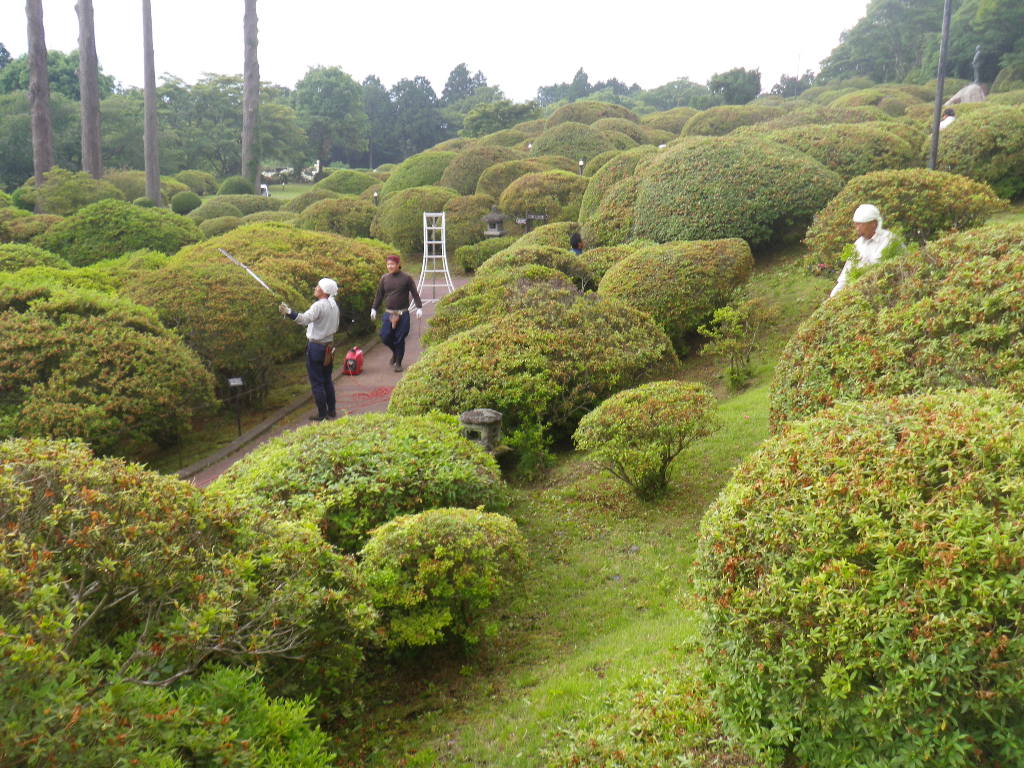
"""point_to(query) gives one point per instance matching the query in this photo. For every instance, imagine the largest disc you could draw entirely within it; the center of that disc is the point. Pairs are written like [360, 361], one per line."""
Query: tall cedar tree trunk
[88, 86]
[39, 91]
[251, 99]
[149, 140]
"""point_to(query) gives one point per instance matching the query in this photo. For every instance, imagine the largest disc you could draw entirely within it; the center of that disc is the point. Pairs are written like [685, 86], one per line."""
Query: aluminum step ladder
[435, 260]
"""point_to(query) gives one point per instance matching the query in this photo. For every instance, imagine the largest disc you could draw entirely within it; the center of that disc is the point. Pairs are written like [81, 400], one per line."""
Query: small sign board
[235, 381]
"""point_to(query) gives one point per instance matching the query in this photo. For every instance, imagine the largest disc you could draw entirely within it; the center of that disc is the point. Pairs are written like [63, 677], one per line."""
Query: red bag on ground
[353, 362]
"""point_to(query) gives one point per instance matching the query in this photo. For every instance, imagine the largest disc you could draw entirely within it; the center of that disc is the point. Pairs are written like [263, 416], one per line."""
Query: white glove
[373, 314]
[284, 309]
[419, 313]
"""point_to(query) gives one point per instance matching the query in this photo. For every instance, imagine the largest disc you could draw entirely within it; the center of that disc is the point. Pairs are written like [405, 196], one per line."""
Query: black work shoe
[317, 417]
[332, 415]
[398, 367]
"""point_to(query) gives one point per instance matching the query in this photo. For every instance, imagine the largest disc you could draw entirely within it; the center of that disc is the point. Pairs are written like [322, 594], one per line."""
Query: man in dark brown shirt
[393, 292]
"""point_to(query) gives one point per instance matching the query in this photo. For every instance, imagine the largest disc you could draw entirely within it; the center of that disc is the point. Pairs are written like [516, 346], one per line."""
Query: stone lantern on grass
[494, 220]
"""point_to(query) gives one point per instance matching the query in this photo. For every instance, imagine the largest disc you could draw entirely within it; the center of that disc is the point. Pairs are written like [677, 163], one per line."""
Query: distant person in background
[321, 321]
[871, 240]
[576, 243]
[393, 293]
[948, 116]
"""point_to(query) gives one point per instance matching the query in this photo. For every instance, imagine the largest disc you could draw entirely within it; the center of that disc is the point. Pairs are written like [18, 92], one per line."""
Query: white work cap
[328, 286]
[866, 213]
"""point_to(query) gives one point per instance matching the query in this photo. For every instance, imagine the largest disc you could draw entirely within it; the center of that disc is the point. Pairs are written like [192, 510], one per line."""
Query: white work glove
[373, 314]
[419, 313]
[284, 309]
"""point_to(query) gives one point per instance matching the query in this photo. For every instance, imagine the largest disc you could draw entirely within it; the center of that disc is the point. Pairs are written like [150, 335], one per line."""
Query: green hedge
[671, 120]
[490, 296]
[110, 228]
[63, 193]
[496, 178]
[598, 162]
[573, 140]
[680, 284]
[555, 194]
[545, 365]
[509, 137]
[850, 150]
[236, 185]
[718, 121]
[860, 577]
[247, 204]
[944, 317]
[399, 216]
[463, 173]
[555, 234]
[299, 203]
[986, 145]
[602, 258]
[279, 217]
[357, 472]
[133, 184]
[347, 182]
[437, 576]
[464, 223]
[611, 222]
[469, 257]
[200, 182]
[920, 204]
[587, 112]
[214, 208]
[554, 257]
[634, 130]
[617, 168]
[15, 256]
[219, 225]
[422, 170]
[348, 215]
[705, 188]
[185, 202]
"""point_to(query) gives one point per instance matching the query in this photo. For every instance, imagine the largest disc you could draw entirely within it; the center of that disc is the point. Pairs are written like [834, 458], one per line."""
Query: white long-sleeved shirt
[869, 251]
[321, 320]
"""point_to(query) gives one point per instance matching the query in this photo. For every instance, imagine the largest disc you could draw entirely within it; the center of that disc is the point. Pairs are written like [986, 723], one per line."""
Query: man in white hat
[871, 240]
[321, 321]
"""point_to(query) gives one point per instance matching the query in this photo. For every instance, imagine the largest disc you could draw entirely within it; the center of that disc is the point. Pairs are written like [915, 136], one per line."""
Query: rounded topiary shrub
[850, 150]
[598, 161]
[491, 295]
[24, 229]
[133, 184]
[280, 217]
[859, 576]
[496, 178]
[435, 576]
[399, 216]
[920, 204]
[555, 234]
[464, 220]
[299, 203]
[611, 222]
[705, 188]
[65, 192]
[544, 365]
[422, 170]
[679, 284]
[573, 140]
[587, 112]
[143, 202]
[986, 145]
[219, 225]
[213, 208]
[636, 434]
[621, 166]
[947, 316]
[509, 137]
[345, 181]
[185, 202]
[200, 182]
[236, 185]
[247, 204]
[110, 228]
[553, 257]
[357, 472]
[634, 130]
[553, 194]
[463, 172]
[15, 256]
[671, 120]
[348, 215]
[469, 257]
[718, 121]
[599, 260]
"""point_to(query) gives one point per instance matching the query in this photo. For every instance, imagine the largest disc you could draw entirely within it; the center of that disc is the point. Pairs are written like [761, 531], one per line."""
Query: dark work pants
[320, 379]
[394, 338]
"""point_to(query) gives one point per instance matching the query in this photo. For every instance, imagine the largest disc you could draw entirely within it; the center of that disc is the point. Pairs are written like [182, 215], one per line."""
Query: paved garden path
[369, 391]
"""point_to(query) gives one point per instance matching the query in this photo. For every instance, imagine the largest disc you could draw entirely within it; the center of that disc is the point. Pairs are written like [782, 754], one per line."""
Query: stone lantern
[482, 425]
[494, 221]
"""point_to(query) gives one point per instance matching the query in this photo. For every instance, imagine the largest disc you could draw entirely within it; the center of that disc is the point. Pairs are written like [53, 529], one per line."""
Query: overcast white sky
[518, 46]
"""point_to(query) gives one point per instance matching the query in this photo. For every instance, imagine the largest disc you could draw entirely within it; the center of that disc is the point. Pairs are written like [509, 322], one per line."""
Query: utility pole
[940, 81]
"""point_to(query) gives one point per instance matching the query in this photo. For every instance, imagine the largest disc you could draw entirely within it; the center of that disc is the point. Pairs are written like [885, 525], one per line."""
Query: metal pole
[940, 81]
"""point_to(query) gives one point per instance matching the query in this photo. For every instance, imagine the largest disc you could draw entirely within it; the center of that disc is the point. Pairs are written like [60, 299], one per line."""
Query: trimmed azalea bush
[598, 161]
[636, 434]
[15, 256]
[464, 220]
[200, 182]
[555, 194]
[214, 208]
[859, 577]
[815, 115]
[671, 120]
[437, 575]
[718, 121]
[110, 228]
[509, 137]
[299, 203]
[587, 112]
[133, 184]
[617, 139]
[542, 367]
[469, 257]
[236, 185]
[399, 217]
[347, 215]
[561, 259]
[573, 140]
[946, 317]
[611, 222]
[422, 170]
[345, 181]
[63, 193]
[556, 234]
[144, 202]
[919, 203]
[463, 172]
[219, 225]
[247, 204]
[357, 472]
[621, 166]
[634, 130]
[494, 180]
[850, 150]
[987, 145]
[492, 295]
[680, 284]
[123, 382]
[704, 188]
[599, 260]
[280, 217]
[185, 202]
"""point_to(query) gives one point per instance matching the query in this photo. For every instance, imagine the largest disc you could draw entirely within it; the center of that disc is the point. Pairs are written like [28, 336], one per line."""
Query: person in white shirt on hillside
[321, 321]
[867, 221]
